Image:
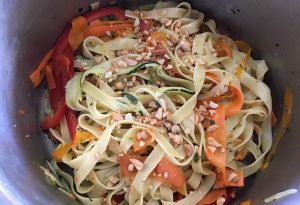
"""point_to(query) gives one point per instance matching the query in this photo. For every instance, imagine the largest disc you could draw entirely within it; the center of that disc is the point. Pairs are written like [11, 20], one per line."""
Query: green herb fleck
[196, 158]
[187, 91]
[172, 90]
[141, 113]
[131, 98]
[212, 122]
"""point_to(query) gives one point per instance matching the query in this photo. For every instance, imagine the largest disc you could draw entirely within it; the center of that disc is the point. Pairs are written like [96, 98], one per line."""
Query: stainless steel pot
[30, 27]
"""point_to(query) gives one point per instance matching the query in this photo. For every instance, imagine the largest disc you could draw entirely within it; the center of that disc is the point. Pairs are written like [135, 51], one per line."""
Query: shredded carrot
[105, 23]
[37, 76]
[222, 48]
[246, 202]
[49, 77]
[234, 106]
[175, 176]
[125, 162]
[212, 76]
[222, 180]
[218, 158]
[241, 154]
[83, 136]
[158, 37]
[99, 31]
[64, 148]
[61, 151]
[76, 35]
[145, 143]
[212, 196]
[239, 71]
[244, 47]
[285, 119]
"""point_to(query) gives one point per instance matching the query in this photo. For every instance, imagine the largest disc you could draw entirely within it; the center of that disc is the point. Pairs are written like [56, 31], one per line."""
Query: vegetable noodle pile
[153, 107]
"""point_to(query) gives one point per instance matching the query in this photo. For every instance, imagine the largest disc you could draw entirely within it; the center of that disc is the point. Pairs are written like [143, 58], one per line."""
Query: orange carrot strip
[235, 105]
[159, 37]
[76, 35]
[244, 47]
[137, 144]
[83, 136]
[212, 196]
[175, 176]
[222, 180]
[125, 162]
[241, 154]
[61, 151]
[105, 23]
[49, 77]
[37, 76]
[99, 31]
[212, 76]
[218, 158]
[222, 48]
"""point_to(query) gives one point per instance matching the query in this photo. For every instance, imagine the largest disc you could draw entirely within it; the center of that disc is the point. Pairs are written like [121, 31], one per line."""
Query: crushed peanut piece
[130, 167]
[137, 164]
[212, 128]
[212, 142]
[188, 149]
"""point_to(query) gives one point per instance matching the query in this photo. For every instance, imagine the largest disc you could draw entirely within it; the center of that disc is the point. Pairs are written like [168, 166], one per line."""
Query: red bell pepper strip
[61, 76]
[71, 122]
[63, 70]
[53, 121]
[99, 13]
[49, 77]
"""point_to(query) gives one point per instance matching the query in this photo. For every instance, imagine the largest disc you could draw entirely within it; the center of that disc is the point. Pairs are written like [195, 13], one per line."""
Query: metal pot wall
[29, 29]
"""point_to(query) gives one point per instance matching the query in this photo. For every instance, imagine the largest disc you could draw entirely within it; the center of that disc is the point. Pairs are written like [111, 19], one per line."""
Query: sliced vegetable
[71, 122]
[76, 35]
[105, 23]
[49, 77]
[222, 48]
[53, 121]
[132, 99]
[61, 151]
[140, 145]
[37, 76]
[228, 180]
[235, 104]
[171, 174]
[83, 136]
[158, 37]
[125, 162]
[99, 31]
